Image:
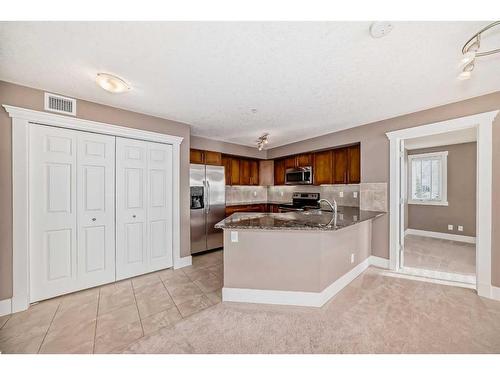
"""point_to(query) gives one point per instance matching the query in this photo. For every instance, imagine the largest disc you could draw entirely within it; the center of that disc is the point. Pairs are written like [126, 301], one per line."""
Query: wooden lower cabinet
[246, 208]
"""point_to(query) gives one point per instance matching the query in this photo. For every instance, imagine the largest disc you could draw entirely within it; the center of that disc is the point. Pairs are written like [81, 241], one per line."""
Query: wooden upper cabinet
[245, 172]
[290, 162]
[323, 167]
[235, 171]
[340, 166]
[226, 162]
[196, 156]
[213, 158]
[254, 172]
[279, 172]
[303, 160]
[354, 164]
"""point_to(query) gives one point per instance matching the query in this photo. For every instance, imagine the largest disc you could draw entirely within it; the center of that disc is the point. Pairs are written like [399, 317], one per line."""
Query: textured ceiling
[303, 78]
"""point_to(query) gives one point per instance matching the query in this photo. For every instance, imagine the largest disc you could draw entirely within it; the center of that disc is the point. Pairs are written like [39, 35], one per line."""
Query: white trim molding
[443, 236]
[183, 262]
[21, 120]
[483, 124]
[312, 299]
[378, 262]
[495, 293]
[442, 156]
[5, 307]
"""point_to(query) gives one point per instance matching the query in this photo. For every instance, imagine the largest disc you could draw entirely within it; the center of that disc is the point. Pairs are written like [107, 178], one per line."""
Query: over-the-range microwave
[299, 176]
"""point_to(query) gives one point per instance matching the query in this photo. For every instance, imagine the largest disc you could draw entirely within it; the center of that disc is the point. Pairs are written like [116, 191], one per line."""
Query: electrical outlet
[234, 236]
[355, 194]
[450, 227]
[341, 216]
[354, 217]
[460, 228]
[281, 193]
[254, 193]
[341, 194]
[352, 258]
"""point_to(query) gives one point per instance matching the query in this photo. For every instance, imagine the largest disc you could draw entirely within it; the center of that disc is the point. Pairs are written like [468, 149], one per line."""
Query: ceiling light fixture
[263, 140]
[471, 51]
[112, 83]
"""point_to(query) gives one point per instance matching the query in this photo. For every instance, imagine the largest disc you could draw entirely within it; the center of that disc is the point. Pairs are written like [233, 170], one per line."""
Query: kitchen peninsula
[294, 258]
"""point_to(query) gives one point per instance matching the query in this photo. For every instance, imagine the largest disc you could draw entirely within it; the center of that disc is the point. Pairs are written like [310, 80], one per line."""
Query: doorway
[480, 127]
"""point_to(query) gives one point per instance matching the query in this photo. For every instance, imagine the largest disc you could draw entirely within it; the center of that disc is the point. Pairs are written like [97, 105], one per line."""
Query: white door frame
[21, 120]
[483, 124]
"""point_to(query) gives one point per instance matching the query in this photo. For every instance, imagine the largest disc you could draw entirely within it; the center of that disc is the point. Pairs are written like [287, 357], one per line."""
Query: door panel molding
[22, 120]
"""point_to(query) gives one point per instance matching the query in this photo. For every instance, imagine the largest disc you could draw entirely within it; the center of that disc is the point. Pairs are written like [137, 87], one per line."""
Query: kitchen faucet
[332, 206]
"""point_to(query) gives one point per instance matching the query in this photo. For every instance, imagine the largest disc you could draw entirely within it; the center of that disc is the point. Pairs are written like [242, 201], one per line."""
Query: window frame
[443, 156]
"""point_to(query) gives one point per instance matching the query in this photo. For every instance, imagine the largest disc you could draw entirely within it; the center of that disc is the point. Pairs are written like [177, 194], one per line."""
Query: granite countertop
[301, 220]
[254, 202]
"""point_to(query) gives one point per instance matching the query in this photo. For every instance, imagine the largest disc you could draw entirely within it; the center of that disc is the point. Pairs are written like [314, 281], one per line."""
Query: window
[428, 174]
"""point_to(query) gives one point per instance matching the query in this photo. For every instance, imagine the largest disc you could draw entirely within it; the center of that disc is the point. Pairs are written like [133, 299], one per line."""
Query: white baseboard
[378, 262]
[443, 236]
[495, 293]
[5, 307]
[282, 297]
[183, 262]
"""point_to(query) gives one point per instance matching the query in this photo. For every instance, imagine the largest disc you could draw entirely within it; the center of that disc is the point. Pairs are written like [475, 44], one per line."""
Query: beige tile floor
[440, 255]
[109, 318]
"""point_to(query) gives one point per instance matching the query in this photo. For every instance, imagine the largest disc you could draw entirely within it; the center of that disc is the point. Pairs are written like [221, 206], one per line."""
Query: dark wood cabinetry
[340, 166]
[196, 156]
[323, 166]
[246, 208]
[213, 158]
[304, 160]
[354, 164]
[205, 157]
[279, 172]
[240, 171]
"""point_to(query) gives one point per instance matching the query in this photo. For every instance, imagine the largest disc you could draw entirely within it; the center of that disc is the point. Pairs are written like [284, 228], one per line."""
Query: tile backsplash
[245, 194]
[345, 195]
[373, 196]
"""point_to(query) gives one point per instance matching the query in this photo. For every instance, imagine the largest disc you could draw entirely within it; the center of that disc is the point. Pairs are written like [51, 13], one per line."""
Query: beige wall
[375, 158]
[33, 99]
[226, 148]
[293, 260]
[461, 191]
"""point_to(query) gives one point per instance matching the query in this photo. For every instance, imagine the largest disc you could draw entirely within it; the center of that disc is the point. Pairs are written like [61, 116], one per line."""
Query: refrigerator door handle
[208, 196]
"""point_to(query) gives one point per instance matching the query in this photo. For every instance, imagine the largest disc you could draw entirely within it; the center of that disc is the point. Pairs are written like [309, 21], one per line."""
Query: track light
[263, 140]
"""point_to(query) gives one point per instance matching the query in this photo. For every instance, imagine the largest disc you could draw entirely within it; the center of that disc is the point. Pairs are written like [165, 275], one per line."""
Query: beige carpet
[374, 314]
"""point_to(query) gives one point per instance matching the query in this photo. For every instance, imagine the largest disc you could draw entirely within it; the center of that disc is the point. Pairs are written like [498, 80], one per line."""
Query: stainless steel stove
[301, 202]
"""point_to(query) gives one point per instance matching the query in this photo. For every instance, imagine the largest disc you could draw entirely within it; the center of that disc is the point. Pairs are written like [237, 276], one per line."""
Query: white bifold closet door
[143, 207]
[72, 224]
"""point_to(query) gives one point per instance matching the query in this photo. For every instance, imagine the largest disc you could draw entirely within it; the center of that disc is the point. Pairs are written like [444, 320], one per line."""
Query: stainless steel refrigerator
[208, 206]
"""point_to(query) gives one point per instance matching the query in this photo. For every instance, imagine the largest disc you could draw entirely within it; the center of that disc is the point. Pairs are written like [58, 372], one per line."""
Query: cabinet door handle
[134, 216]
[93, 219]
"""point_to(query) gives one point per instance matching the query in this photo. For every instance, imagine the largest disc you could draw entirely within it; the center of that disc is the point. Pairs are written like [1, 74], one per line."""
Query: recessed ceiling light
[112, 83]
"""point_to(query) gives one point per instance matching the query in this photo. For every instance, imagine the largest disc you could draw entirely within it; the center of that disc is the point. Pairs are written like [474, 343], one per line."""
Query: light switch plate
[234, 236]
[450, 227]
[460, 228]
[352, 258]
[355, 194]
[341, 194]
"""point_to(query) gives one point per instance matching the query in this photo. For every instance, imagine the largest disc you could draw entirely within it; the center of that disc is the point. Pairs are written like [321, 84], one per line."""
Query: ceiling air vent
[60, 104]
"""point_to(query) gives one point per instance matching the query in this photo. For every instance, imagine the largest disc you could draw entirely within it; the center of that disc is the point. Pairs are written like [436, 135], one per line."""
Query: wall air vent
[60, 104]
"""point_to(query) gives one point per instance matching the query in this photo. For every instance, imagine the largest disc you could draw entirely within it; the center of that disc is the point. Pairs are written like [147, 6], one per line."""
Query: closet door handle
[133, 216]
[93, 219]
